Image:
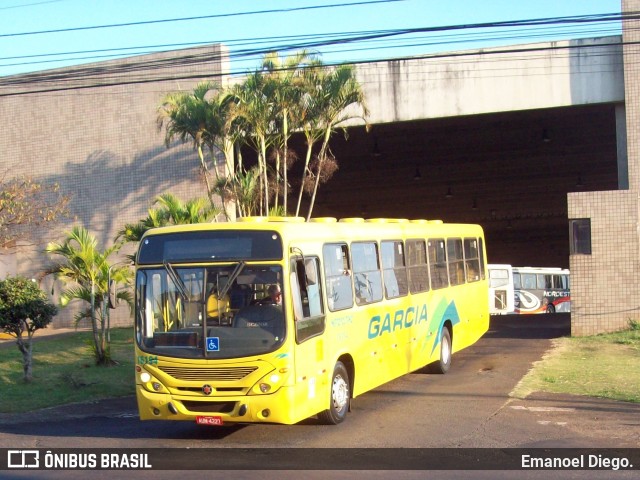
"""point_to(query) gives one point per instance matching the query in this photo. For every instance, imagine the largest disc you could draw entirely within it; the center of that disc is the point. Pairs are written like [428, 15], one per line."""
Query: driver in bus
[274, 296]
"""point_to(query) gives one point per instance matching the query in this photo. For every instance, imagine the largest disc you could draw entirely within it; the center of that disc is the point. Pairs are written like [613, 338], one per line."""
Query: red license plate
[200, 420]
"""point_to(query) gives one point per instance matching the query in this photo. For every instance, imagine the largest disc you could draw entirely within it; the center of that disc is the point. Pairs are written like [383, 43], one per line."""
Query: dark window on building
[580, 236]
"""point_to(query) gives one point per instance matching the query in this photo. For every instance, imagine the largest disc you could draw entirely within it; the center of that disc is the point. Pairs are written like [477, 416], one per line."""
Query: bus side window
[455, 261]
[337, 273]
[560, 282]
[544, 281]
[312, 277]
[529, 281]
[481, 255]
[307, 298]
[394, 269]
[367, 278]
[437, 263]
[472, 259]
[417, 266]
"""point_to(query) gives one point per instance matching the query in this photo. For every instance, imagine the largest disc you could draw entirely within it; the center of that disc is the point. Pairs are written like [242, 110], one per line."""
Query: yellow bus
[274, 319]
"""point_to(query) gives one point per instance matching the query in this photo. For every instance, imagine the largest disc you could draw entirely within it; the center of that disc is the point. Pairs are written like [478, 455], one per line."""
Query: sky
[31, 40]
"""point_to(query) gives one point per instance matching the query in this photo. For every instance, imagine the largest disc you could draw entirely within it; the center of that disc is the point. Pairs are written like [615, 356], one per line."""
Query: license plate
[209, 420]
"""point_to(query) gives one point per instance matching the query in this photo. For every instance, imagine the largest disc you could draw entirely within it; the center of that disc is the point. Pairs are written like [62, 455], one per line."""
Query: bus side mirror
[113, 299]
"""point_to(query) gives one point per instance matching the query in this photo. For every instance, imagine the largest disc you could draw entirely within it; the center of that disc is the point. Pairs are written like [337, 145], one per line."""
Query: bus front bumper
[267, 408]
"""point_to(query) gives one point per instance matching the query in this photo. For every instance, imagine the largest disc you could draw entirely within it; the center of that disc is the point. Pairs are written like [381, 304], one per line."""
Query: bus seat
[239, 296]
[217, 306]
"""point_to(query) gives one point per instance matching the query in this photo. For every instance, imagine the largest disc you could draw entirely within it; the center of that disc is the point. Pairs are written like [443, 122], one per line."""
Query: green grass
[606, 366]
[64, 371]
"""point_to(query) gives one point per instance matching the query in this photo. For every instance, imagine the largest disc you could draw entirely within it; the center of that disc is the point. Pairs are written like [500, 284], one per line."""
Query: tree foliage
[170, 211]
[86, 270]
[26, 205]
[24, 308]
[283, 96]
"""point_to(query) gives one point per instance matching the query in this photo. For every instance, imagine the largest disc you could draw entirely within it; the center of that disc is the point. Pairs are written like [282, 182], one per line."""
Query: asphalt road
[470, 407]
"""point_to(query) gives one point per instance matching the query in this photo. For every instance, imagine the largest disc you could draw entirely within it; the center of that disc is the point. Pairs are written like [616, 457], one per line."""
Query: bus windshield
[225, 311]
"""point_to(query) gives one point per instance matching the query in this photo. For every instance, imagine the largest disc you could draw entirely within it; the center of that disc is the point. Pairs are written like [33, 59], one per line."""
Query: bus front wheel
[339, 397]
[443, 364]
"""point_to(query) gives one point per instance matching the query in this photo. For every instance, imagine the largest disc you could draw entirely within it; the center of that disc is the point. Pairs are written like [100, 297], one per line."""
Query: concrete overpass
[506, 138]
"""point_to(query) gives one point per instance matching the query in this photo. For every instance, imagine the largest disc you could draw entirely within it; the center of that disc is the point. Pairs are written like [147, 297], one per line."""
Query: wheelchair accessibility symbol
[213, 344]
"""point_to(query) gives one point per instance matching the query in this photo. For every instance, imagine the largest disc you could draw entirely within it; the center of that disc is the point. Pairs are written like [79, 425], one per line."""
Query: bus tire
[443, 364]
[551, 308]
[338, 397]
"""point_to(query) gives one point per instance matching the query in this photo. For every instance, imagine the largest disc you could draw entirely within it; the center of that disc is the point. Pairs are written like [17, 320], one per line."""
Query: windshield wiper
[232, 278]
[182, 289]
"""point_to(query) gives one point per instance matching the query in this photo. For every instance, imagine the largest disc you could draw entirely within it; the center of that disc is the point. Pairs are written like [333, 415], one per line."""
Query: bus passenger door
[309, 317]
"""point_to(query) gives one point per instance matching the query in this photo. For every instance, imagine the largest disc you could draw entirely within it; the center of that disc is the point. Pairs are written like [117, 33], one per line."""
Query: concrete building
[92, 130]
[523, 140]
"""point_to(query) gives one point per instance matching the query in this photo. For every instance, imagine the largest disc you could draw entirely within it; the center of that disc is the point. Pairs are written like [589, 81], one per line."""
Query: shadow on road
[543, 326]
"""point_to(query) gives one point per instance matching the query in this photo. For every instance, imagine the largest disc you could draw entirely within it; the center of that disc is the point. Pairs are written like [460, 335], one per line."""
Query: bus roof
[330, 226]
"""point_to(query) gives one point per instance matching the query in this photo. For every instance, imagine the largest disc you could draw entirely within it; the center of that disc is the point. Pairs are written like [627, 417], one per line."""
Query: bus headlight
[269, 383]
[149, 382]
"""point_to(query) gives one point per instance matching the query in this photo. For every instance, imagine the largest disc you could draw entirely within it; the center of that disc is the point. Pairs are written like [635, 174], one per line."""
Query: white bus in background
[528, 290]
[541, 290]
[501, 292]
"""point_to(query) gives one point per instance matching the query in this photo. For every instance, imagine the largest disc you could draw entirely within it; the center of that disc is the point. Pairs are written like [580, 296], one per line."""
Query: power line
[323, 40]
[29, 4]
[146, 66]
[202, 17]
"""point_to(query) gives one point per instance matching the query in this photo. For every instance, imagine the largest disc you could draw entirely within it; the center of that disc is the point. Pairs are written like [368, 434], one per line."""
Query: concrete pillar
[604, 283]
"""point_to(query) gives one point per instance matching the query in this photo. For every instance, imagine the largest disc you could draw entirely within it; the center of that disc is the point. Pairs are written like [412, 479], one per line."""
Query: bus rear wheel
[443, 364]
[339, 397]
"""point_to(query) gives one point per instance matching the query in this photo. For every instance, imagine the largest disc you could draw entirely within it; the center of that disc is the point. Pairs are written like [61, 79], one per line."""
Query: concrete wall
[100, 144]
[604, 284]
[485, 81]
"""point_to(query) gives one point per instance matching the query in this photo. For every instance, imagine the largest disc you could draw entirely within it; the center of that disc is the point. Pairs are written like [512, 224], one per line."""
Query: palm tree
[336, 92]
[253, 111]
[172, 211]
[310, 107]
[224, 135]
[177, 212]
[86, 271]
[190, 116]
[289, 89]
[244, 187]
